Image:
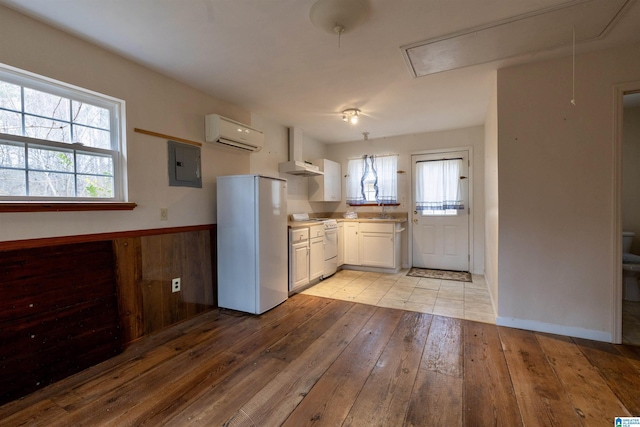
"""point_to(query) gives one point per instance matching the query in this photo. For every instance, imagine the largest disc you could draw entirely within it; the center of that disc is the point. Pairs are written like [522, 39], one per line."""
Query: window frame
[117, 151]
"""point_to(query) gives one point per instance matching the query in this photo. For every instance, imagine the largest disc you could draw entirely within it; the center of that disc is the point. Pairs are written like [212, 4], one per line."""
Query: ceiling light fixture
[351, 115]
[338, 16]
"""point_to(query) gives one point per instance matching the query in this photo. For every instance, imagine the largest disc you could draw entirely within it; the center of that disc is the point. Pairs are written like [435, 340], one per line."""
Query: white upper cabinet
[327, 187]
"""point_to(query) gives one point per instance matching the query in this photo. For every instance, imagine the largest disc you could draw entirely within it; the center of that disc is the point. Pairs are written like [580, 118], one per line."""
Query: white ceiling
[267, 57]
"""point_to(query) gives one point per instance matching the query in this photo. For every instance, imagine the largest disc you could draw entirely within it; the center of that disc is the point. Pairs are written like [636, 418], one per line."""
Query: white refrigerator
[252, 242]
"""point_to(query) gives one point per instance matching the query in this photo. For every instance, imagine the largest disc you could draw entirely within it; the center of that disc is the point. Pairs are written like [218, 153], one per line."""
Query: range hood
[295, 165]
[300, 168]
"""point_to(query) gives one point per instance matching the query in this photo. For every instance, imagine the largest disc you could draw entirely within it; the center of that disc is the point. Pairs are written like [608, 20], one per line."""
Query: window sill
[375, 204]
[65, 206]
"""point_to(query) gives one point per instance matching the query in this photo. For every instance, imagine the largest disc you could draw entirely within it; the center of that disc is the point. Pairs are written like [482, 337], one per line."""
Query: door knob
[415, 212]
[415, 220]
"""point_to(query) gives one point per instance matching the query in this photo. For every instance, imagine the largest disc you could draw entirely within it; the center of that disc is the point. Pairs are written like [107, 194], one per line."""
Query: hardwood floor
[631, 322]
[318, 361]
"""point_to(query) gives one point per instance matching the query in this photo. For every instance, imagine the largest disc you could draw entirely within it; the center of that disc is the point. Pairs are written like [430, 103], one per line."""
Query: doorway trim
[471, 243]
[619, 91]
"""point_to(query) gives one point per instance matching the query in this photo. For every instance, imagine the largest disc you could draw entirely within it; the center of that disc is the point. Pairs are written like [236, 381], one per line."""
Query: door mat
[460, 276]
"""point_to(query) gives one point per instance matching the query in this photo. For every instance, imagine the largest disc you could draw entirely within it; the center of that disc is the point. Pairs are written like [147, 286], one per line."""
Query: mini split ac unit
[221, 130]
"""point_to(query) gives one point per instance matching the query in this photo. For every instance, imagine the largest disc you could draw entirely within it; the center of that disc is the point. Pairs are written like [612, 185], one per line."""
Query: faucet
[383, 214]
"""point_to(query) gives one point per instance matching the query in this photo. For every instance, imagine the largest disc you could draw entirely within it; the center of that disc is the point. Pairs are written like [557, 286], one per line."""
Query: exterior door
[440, 235]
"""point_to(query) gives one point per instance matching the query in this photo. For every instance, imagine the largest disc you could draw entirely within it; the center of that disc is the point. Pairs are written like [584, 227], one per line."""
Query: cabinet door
[316, 259]
[351, 243]
[340, 244]
[299, 265]
[377, 249]
[327, 187]
[332, 181]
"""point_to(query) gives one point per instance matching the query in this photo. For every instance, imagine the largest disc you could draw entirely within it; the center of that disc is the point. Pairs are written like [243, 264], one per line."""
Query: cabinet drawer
[372, 227]
[316, 231]
[299, 234]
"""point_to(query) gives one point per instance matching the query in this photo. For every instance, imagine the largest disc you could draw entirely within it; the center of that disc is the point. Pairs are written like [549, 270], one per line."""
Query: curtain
[438, 185]
[379, 171]
[386, 172]
[356, 173]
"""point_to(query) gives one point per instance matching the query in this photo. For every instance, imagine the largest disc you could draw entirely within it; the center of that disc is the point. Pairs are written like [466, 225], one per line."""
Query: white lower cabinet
[351, 243]
[298, 258]
[377, 247]
[372, 244]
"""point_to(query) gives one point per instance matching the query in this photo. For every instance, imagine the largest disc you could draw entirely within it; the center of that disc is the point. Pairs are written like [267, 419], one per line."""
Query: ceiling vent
[535, 31]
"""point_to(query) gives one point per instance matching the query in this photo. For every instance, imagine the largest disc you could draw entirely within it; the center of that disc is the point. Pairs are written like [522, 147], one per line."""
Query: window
[58, 142]
[438, 191]
[373, 179]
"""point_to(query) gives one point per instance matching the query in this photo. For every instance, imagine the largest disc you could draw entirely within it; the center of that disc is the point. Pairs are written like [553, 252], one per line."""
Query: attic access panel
[543, 29]
[184, 165]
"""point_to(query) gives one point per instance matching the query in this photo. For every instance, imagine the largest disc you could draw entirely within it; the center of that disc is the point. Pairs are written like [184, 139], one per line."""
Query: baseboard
[371, 269]
[493, 301]
[571, 331]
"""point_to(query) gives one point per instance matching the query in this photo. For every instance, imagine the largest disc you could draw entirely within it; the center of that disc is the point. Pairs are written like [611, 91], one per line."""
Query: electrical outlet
[164, 214]
[175, 285]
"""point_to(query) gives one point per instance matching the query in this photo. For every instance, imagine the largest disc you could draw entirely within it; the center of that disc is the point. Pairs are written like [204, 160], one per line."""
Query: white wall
[631, 174]
[491, 228]
[276, 147]
[404, 146]
[153, 102]
[556, 178]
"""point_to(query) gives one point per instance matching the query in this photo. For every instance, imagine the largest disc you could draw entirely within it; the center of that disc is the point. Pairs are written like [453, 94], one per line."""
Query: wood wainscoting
[58, 314]
[145, 267]
[69, 303]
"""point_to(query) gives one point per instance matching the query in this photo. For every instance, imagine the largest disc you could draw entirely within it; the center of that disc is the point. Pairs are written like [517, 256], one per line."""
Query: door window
[438, 189]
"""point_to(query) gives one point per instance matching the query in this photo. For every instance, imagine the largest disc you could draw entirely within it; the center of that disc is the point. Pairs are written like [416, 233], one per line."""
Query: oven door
[330, 252]
[330, 244]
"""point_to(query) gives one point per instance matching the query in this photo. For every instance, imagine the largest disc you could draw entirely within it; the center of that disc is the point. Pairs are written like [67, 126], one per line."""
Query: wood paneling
[154, 304]
[128, 255]
[146, 266]
[12, 245]
[361, 365]
[58, 314]
[67, 307]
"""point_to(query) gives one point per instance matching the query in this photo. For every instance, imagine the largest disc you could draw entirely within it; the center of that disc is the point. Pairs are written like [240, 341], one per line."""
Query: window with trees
[58, 142]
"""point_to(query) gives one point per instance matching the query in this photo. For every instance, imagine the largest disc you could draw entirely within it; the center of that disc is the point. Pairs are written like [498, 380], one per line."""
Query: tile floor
[449, 298]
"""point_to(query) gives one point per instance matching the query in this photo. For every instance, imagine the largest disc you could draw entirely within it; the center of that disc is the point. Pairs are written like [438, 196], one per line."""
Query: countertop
[393, 218]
